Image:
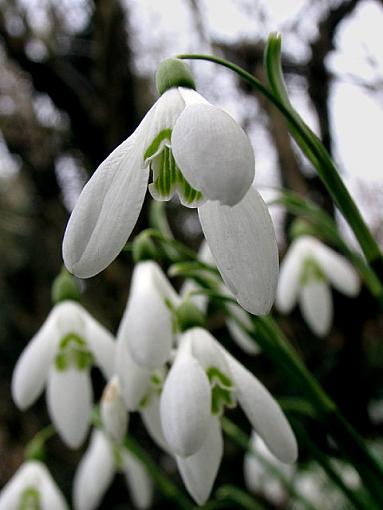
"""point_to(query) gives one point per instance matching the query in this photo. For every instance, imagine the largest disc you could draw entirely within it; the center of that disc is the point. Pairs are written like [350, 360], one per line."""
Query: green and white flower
[306, 272]
[32, 487]
[60, 357]
[197, 150]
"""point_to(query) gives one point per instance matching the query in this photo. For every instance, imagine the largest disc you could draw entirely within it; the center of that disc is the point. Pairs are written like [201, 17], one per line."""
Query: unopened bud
[114, 415]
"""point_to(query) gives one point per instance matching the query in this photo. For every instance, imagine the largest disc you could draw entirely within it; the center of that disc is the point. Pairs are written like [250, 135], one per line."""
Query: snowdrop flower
[96, 471]
[307, 269]
[147, 323]
[60, 356]
[32, 487]
[258, 478]
[203, 380]
[197, 150]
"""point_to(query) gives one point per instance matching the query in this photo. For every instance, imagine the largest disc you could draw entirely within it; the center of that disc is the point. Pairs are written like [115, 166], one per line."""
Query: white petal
[31, 371]
[264, 413]
[69, 400]
[205, 349]
[12, 491]
[51, 495]
[338, 270]
[139, 483]
[101, 343]
[191, 96]
[94, 474]
[289, 277]
[316, 306]
[150, 415]
[213, 153]
[200, 470]
[134, 379]
[114, 415]
[147, 321]
[242, 241]
[185, 406]
[242, 339]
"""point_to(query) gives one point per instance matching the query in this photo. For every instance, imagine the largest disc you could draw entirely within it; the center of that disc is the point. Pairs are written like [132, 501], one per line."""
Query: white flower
[32, 487]
[146, 325]
[97, 468]
[60, 356]
[199, 151]
[203, 380]
[113, 411]
[259, 477]
[307, 269]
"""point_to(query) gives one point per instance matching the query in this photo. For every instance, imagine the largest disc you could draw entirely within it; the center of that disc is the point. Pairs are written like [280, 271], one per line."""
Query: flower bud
[114, 415]
[172, 72]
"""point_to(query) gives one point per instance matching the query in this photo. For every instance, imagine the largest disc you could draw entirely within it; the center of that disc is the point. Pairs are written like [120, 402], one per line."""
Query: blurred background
[76, 77]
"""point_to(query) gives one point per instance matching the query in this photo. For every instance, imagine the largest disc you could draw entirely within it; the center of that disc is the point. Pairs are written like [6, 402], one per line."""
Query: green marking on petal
[30, 500]
[165, 134]
[222, 394]
[73, 352]
[311, 271]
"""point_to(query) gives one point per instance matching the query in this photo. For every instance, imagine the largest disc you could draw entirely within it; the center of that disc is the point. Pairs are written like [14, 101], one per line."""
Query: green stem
[240, 498]
[317, 155]
[167, 487]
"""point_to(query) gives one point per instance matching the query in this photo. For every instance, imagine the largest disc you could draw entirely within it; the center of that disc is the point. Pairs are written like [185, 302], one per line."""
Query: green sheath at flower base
[300, 228]
[188, 316]
[172, 72]
[144, 248]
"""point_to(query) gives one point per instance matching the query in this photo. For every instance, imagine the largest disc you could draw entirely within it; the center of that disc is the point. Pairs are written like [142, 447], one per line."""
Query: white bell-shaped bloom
[258, 467]
[203, 380]
[306, 272]
[32, 486]
[114, 414]
[146, 326]
[97, 468]
[186, 142]
[60, 357]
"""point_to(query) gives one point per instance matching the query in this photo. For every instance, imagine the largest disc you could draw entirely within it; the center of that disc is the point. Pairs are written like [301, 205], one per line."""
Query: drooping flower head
[198, 151]
[32, 487]
[307, 269]
[60, 357]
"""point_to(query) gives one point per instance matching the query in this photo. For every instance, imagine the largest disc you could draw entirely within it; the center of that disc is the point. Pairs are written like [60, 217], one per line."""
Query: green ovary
[73, 352]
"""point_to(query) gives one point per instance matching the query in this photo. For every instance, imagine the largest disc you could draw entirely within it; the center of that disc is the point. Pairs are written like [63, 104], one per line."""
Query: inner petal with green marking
[167, 177]
[222, 391]
[30, 500]
[311, 271]
[73, 352]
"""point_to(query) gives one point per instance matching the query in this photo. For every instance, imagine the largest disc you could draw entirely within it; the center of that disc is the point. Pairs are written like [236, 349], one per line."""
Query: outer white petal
[114, 414]
[213, 153]
[264, 413]
[106, 210]
[101, 343]
[338, 270]
[94, 474]
[289, 277]
[31, 371]
[242, 241]
[134, 379]
[25, 476]
[185, 405]
[316, 306]
[147, 322]
[139, 483]
[200, 470]
[150, 415]
[51, 495]
[242, 339]
[69, 401]
[205, 349]
[191, 96]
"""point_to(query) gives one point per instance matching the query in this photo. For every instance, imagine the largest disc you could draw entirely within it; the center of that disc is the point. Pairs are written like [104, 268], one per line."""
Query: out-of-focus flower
[97, 468]
[32, 487]
[114, 414]
[258, 477]
[60, 356]
[203, 380]
[306, 271]
[199, 151]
